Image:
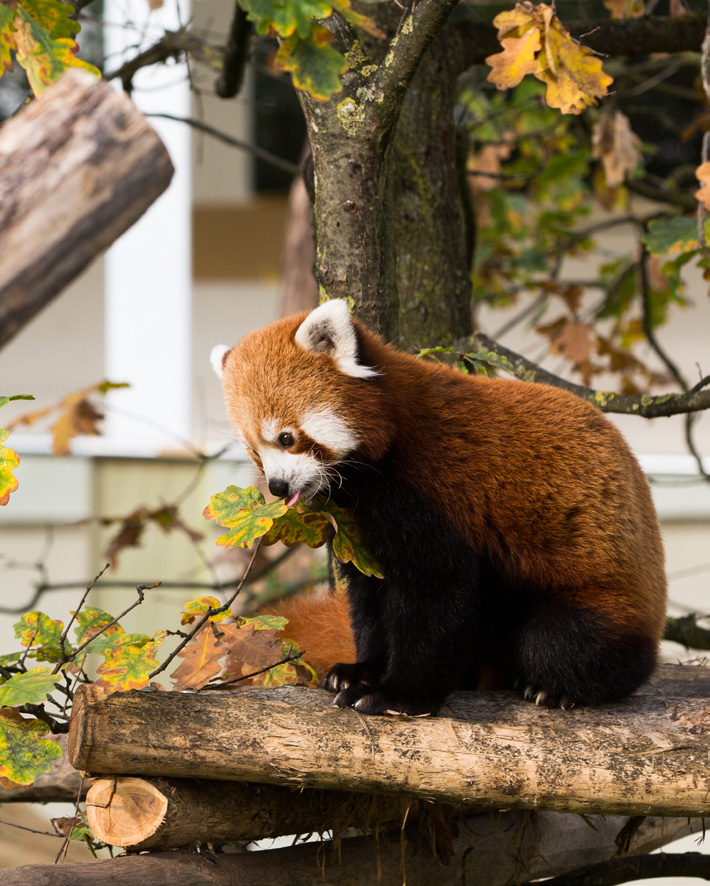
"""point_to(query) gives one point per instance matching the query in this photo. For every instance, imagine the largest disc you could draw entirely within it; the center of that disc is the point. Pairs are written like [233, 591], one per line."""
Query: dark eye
[286, 439]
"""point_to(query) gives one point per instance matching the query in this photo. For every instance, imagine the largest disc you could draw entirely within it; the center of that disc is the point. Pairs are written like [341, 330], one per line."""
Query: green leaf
[679, 234]
[24, 754]
[53, 15]
[299, 524]
[245, 514]
[7, 37]
[44, 57]
[315, 67]
[116, 638]
[129, 667]
[265, 622]
[197, 608]
[32, 687]
[9, 460]
[43, 634]
[285, 16]
[89, 621]
[348, 545]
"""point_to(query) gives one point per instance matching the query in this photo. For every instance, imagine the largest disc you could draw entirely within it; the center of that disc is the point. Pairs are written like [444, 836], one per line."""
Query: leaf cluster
[248, 518]
[306, 51]
[39, 34]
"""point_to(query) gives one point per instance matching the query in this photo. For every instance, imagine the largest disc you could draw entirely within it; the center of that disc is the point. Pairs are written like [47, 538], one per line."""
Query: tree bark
[78, 167]
[432, 266]
[171, 813]
[490, 850]
[351, 137]
[645, 755]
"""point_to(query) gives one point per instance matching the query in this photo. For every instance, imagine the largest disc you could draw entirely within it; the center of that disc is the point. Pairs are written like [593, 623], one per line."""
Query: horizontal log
[490, 850]
[163, 813]
[643, 756]
[78, 167]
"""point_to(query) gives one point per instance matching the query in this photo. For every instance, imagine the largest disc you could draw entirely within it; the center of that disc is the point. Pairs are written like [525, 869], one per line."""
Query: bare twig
[209, 613]
[285, 660]
[261, 153]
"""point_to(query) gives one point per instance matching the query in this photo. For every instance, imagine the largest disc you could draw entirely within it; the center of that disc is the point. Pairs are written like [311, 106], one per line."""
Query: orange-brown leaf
[200, 659]
[617, 146]
[702, 173]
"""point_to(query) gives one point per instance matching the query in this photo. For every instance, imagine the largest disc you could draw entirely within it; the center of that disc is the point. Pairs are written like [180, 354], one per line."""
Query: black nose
[278, 488]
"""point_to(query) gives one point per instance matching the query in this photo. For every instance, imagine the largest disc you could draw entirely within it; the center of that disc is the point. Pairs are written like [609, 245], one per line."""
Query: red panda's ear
[217, 357]
[329, 330]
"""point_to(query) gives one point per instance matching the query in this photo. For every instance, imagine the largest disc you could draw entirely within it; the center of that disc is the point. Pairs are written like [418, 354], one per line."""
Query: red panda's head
[303, 400]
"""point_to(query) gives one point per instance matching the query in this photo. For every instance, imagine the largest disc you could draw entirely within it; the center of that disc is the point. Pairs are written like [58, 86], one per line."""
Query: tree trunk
[78, 167]
[351, 138]
[490, 850]
[171, 813]
[645, 755]
[432, 255]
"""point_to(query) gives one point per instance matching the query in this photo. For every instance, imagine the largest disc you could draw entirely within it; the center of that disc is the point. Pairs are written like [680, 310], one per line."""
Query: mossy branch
[480, 348]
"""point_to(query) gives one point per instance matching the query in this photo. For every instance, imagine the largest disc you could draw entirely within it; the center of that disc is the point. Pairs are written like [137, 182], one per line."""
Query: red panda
[513, 525]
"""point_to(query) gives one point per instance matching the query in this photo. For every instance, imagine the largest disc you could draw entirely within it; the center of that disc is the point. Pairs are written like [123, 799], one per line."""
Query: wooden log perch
[490, 850]
[78, 167]
[646, 755]
[163, 813]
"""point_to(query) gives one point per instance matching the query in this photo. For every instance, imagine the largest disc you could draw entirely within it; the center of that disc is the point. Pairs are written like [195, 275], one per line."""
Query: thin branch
[261, 153]
[638, 867]
[141, 597]
[230, 80]
[285, 660]
[415, 35]
[685, 630]
[88, 590]
[209, 613]
[479, 347]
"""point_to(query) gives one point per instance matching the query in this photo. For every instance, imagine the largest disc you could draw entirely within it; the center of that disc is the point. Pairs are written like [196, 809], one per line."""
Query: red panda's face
[296, 396]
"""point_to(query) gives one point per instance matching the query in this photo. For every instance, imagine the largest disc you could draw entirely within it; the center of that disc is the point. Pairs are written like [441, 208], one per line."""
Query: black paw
[380, 701]
[546, 698]
[347, 676]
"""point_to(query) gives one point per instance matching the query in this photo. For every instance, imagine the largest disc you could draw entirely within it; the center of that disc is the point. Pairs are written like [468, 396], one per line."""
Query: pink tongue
[294, 498]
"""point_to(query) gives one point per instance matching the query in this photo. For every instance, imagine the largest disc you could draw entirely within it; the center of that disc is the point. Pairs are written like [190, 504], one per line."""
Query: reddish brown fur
[516, 470]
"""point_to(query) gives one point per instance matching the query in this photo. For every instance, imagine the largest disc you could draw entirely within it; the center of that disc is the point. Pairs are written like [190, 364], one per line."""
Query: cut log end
[125, 811]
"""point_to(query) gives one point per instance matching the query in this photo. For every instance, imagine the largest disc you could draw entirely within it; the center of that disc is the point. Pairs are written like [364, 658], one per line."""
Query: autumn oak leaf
[518, 57]
[199, 606]
[9, 460]
[24, 752]
[31, 687]
[129, 667]
[200, 659]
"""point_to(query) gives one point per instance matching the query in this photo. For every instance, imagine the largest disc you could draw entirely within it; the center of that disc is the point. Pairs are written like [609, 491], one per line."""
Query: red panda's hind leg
[565, 656]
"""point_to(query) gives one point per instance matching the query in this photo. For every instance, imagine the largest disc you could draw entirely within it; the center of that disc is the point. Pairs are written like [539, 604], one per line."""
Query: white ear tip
[217, 355]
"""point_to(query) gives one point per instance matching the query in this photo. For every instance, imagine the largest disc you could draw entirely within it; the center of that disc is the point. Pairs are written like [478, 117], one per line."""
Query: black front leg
[366, 596]
[411, 652]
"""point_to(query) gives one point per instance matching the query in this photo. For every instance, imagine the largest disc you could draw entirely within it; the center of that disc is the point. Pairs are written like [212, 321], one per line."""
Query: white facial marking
[329, 330]
[329, 430]
[269, 430]
[217, 355]
[301, 471]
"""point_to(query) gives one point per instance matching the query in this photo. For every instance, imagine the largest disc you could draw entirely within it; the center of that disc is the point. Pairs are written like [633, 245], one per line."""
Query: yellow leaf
[572, 73]
[517, 59]
[702, 173]
[9, 460]
[523, 16]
